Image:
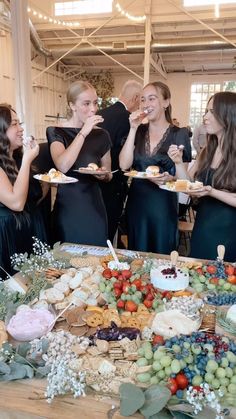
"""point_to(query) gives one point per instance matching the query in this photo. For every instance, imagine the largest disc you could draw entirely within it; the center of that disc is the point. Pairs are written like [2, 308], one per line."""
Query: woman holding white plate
[216, 213]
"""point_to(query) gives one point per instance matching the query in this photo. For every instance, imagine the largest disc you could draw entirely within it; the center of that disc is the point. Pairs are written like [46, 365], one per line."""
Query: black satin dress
[152, 213]
[215, 224]
[79, 214]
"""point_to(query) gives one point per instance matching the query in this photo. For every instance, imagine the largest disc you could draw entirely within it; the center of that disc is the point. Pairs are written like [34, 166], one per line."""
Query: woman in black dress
[79, 212]
[152, 213]
[15, 222]
[216, 212]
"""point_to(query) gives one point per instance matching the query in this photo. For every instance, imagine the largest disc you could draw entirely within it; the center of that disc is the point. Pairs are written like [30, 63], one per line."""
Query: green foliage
[103, 82]
[156, 398]
[131, 399]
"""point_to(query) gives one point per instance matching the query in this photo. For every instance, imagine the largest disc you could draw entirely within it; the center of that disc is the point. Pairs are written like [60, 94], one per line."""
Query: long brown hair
[7, 163]
[165, 91]
[224, 110]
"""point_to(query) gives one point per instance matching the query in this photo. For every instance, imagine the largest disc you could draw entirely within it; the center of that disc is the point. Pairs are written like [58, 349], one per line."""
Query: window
[200, 93]
[82, 7]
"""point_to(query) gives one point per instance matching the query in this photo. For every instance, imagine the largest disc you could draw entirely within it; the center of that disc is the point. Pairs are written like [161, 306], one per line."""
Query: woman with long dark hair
[152, 213]
[216, 212]
[15, 223]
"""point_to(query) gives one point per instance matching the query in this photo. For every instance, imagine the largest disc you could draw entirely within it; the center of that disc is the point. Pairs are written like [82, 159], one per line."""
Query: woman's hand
[106, 177]
[31, 149]
[90, 123]
[176, 153]
[161, 179]
[205, 191]
[136, 118]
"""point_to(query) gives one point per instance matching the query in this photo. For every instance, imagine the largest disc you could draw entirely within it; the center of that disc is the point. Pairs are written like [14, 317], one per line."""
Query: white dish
[68, 179]
[86, 171]
[172, 189]
[141, 175]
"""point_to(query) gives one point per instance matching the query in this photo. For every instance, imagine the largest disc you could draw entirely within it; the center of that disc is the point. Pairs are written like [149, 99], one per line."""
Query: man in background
[116, 122]
[199, 138]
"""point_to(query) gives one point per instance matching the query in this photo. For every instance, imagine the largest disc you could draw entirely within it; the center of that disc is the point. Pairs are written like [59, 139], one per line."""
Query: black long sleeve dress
[152, 213]
[79, 214]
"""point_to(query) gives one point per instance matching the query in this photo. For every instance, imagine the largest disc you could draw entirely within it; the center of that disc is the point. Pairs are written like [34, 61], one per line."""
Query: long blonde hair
[74, 91]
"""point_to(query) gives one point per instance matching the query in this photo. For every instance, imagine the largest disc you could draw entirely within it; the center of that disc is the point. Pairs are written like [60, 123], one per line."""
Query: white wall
[180, 87]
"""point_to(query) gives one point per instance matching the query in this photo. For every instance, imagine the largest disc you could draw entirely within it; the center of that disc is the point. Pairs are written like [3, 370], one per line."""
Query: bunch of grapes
[193, 360]
[213, 276]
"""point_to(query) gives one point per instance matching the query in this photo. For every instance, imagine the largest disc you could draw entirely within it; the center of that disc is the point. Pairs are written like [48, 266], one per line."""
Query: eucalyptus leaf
[29, 371]
[131, 399]
[42, 371]
[18, 372]
[156, 398]
[163, 414]
[23, 348]
[19, 359]
[45, 345]
[181, 415]
[7, 347]
[4, 368]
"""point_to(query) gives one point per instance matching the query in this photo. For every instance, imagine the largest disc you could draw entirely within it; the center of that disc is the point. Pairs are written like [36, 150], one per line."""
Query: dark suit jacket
[116, 122]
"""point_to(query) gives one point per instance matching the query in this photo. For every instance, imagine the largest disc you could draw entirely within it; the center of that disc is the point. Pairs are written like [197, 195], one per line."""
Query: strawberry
[232, 279]
[114, 273]
[158, 340]
[172, 385]
[214, 280]
[131, 306]
[181, 380]
[229, 270]
[118, 284]
[148, 303]
[125, 286]
[107, 273]
[199, 271]
[120, 304]
[211, 269]
[149, 296]
[137, 283]
[126, 273]
[117, 292]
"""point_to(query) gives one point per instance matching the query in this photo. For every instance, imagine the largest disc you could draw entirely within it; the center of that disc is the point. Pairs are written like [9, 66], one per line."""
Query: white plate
[172, 189]
[68, 179]
[86, 171]
[141, 175]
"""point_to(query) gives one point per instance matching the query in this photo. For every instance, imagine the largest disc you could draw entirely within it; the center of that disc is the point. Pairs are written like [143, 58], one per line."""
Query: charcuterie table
[90, 334]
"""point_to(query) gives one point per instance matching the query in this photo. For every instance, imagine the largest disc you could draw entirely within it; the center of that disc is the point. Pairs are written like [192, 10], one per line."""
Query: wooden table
[24, 399]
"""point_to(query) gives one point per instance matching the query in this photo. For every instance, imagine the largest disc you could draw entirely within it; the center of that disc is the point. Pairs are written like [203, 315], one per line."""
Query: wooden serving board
[24, 399]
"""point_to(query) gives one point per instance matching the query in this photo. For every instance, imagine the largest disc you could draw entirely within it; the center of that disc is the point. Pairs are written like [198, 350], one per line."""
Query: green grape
[144, 377]
[165, 361]
[102, 287]
[197, 380]
[189, 359]
[223, 389]
[211, 365]
[220, 372]
[215, 383]
[221, 282]
[226, 286]
[202, 278]
[199, 287]
[196, 349]
[224, 362]
[158, 354]
[141, 351]
[148, 354]
[147, 345]
[168, 371]
[229, 372]
[157, 366]
[231, 357]
[208, 377]
[208, 346]
[232, 388]
[176, 348]
[182, 364]
[161, 374]
[175, 366]
[233, 379]
[109, 288]
[224, 381]
[211, 286]
[154, 380]
[142, 362]
[187, 345]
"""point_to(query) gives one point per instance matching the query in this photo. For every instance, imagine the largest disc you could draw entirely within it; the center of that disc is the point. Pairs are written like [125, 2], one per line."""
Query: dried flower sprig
[41, 259]
[203, 396]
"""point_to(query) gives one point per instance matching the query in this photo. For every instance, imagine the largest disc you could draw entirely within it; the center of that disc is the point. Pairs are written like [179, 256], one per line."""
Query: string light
[50, 19]
[130, 17]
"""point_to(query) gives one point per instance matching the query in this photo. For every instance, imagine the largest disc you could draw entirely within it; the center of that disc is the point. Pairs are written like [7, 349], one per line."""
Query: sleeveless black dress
[152, 213]
[18, 228]
[79, 214]
[215, 224]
